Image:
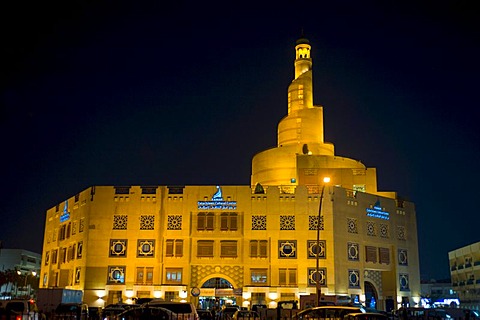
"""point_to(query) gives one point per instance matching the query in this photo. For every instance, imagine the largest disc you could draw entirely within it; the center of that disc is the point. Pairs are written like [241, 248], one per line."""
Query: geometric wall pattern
[375, 278]
[199, 272]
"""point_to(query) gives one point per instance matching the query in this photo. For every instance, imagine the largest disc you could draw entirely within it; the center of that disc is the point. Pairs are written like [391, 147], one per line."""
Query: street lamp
[318, 278]
[25, 288]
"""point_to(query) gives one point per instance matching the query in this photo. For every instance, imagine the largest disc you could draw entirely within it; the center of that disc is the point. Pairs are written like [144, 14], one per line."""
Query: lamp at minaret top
[303, 61]
[300, 91]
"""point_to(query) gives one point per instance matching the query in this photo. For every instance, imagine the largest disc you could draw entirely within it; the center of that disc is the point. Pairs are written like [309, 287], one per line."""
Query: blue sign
[377, 212]
[65, 215]
[217, 202]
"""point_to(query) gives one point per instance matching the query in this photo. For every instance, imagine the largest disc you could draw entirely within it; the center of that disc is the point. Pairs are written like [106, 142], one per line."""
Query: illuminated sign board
[217, 202]
[377, 212]
[65, 214]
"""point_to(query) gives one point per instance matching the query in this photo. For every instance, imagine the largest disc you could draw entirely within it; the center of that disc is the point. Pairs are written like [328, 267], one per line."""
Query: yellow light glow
[157, 294]
[273, 295]
[182, 294]
[129, 293]
[100, 294]
[246, 295]
[246, 304]
[326, 179]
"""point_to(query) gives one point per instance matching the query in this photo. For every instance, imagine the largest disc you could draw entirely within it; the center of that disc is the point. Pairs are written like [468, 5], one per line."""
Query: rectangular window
[149, 190]
[258, 298]
[140, 276]
[287, 276]
[171, 295]
[47, 258]
[228, 221]
[205, 248]
[144, 275]
[63, 255]
[173, 275]
[258, 276]
[175, 190]
[228, 249]
[81, 225]
[61, 235]
[205, 221]
[122, 190]
[384, 255]
[54, 256]
[174, 248]
[258, 248]
[371, 254]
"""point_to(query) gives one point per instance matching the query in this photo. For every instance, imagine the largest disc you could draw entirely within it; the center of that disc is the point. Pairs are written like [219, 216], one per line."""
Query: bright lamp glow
[246, 295]
[326, 179]
[100, 294]
[157, 294]
[273, 295]
[182, 294]
[129, 293]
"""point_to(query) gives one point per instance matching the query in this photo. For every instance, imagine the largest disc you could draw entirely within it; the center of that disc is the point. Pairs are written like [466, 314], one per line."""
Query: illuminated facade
[250, 244]
[465, 274]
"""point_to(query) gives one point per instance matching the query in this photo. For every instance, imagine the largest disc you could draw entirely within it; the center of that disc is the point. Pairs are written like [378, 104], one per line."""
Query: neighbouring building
[439, 293]
[20, 268]
[273, 240]
[465, 274]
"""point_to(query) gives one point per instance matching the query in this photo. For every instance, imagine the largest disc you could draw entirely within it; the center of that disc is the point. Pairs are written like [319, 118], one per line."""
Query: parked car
[71, 311]
[423, 313]
[20, 309]
[147, 313]
[323, 312]
[184, 310]
[246, 315]
[227, 312]
[461, 314]
[205, 314]
[366, 316]
[112, 310]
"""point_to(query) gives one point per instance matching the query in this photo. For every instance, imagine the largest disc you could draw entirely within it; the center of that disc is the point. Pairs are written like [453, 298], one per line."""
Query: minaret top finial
[302, 39]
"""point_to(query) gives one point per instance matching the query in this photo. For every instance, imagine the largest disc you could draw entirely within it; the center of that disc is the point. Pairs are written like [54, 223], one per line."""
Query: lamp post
[25, 288]
[318, 278]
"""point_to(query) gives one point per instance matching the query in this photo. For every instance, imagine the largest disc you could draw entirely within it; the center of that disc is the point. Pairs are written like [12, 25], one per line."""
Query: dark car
[184, 310]
[112, 310]
[147, 313]
[324, 312]
[205, 314]
[227, 313]
[366, 316]
[246, 315]
[71, 311]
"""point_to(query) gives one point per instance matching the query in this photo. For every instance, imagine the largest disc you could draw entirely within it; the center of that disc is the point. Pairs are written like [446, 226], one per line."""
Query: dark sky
[143, 92]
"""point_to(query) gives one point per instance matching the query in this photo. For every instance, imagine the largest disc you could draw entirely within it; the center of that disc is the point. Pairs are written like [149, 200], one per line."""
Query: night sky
[154, 93]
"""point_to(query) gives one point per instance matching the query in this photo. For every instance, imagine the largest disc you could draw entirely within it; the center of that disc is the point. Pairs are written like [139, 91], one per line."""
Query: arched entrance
[371, 296]
[215, 293]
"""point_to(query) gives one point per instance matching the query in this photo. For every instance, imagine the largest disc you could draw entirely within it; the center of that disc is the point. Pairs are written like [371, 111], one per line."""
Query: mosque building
[310, 222]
